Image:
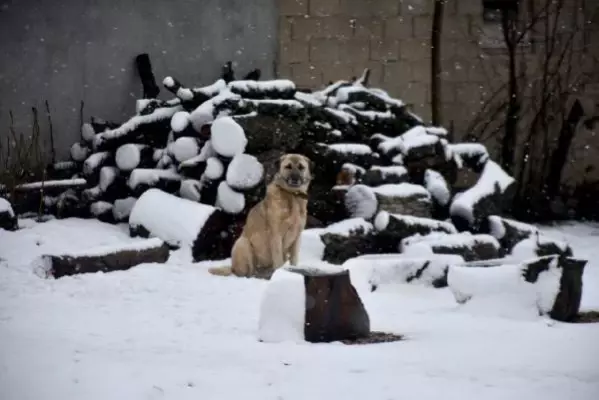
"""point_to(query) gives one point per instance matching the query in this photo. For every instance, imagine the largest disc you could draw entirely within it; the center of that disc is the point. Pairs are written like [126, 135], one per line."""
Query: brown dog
[271, 235]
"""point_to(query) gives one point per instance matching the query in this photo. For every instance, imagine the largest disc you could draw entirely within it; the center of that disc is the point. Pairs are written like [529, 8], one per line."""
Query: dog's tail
[221, 271]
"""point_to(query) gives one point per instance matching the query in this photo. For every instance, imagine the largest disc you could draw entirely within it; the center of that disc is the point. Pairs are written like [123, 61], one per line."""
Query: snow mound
[361, 201]
[244, 172]
[283, 308]
[228, 138]
[229, 200]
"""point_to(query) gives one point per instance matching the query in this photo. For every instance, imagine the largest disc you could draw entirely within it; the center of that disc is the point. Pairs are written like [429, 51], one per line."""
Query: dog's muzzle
[295, 180]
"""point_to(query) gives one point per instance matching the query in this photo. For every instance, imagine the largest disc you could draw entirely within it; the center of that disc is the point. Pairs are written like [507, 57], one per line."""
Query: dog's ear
[311, 165]
[278, 163]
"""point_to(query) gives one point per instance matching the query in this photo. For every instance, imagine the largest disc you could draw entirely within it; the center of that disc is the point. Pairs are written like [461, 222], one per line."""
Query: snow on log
[122, 209]
[539, 245]
[93, 164]
[227, 137]
[205, 113]
[229, 200]
[214, 169]
[102, 210]
[508, 231]
[313, 304]
[474, 155]
[100, 125]
[361, 201]
[184, 148]
[424, 269]
[548, 285]
[132, 155]
[175, 87]
[142, 179]
[329, 158]
[489, 196]
[110, 186]
[8, 218]
[404, 198]
[440, 192]
[191, 189]
[87, 132]
[79, 152]
[181, 125]
[244, 172]
[273, 89]
[149, 129]
[470, 247]
[105, 258]
[351, 238]
[381, 175]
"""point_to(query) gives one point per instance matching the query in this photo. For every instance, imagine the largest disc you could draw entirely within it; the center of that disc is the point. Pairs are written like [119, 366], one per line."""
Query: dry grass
[375, 337]
[587, 317]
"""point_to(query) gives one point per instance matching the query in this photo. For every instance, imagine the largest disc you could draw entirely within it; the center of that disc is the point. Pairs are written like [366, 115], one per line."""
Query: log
[87, 133]
[183, 149]
[69, 204]
[194, 167]
[327, 204]
[205, 230]
[539, 245]
[273, 89]
[190, 99]
[245, 172]
[313, 304]
[80, 151]
[549, 285]
[382, 175]
[229, 200]
[361, 201]
[142, 179]
[93, 164]
[8, 218]
[473, 155]
[440, 192]
[227, 137]
[266, 132]
[62, 170]
[105, 258]
[191, 189]
[350, 174]
[491, 195]
[404, 198]
[508, 231]
[100, 125]
[148, 82]
[349, 239]
[181, 125]
[470, 247]
[102, 210]
[28, 196]
[132, 155]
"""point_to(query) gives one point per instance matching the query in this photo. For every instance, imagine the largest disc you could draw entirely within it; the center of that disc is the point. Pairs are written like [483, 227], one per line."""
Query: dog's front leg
[276, 251]
[294, 252]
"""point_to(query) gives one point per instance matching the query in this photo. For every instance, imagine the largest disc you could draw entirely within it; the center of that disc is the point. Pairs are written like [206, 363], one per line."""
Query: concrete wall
[72, 50]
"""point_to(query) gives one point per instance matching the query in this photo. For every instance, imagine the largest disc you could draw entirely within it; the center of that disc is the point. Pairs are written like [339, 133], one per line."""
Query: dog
[271, 235]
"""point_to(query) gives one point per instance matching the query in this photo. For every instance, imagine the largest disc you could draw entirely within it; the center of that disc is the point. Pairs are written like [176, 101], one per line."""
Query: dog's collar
[301, 195]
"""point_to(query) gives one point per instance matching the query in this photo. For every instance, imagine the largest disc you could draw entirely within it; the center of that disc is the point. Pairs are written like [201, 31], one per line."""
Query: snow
[173, 331]
[122, 208]
[346, 227]
[52, 183]
[169, 82]
[227, 137]
[100, 207]
[437, 186]
[342, 115]
[180, 121]
[493, 175]
[5, 207]
[391, 170]
[213, 89]
[281, 85]
[128, 156]
[497, 228]
[141, 104]
[401, 190]
[350, 148]
[406, 145]
[214, 168]
[93, 162]
[527, 248]
[87, 132]
[244, 172]
[229, 200]
[204, 113]
[184, 148]
[308, 98]
[190, 189]
[382, 219]
[79, 152]
[175, 220]
[150, 177]
[283, 308]
[436, 130]
[107, 177]
[470, 150]
[281, 102]
[205, 153]
[361, 201]
[461, 239]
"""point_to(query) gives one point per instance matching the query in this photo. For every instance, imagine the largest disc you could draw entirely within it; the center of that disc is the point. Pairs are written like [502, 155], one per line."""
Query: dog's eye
[300, 167]
[288, 166]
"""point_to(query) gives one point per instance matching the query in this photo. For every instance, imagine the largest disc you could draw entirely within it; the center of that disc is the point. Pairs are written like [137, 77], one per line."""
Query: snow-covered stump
[382, 175]
[549, 285]
[227, 137]
[105, 258]
[204, 229]
[87, 133]
[470, 247]
[491, 195]
[229, 200]
[143, 179]
[312, 304]
[329, 159]
[404, 198]
[8, 218]
[508, 231]
[421, 269]
[132, 155]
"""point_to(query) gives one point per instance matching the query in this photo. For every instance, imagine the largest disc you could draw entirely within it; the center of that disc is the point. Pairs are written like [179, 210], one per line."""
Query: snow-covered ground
[173, 331]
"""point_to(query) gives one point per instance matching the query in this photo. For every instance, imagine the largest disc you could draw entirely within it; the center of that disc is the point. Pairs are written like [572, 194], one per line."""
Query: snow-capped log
[142, 179]
[440, 192]
[313, 304]
[373, 100]
[194, 167]
[327, 204]
[381, 175]
[227, 137]
[474, 155]
[105, 258]
[87, 133]
[361, 202]
[328, 159]
[184, 94]
[491, 195]
[100, 125]
[8, 218]
[205, 113]
[244, 172]
[111, 186]
[93, 164]
[191, 189]
[404, 198]
[508, 231]
[79, 152]
[422, 269]
[122, 209]
[62, 170]
[539, 245]
[148, 82]
[351, 238]
[184, 149]
[69, 204]
[208, 231]
[274, 89]
[549, 285]
[102, 210]
[28, 196]
[132, 155]
[181, 125]
[470, 247]
[150, 129]
[231, 201]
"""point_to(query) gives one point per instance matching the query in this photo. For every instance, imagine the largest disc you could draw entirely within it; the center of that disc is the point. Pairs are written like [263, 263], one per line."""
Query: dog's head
[294, 172]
